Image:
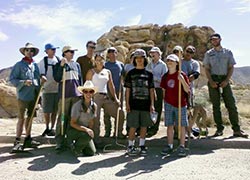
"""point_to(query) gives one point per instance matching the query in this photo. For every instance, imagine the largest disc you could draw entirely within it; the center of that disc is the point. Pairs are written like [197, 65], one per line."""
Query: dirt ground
[212, 158]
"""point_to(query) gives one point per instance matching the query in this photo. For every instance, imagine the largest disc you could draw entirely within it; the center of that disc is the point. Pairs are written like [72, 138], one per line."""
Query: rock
[8, 101]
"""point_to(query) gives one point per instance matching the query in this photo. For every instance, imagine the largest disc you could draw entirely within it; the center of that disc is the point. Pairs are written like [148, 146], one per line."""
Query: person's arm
[196, 71]
[127, 94]
[229, 75]
[212, 83]
[112, 87]
[152, 98]
[73, 123]
[89, 74]
[184, 83]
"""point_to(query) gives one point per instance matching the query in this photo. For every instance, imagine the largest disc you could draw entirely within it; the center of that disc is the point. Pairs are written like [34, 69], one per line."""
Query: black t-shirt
[140, 81]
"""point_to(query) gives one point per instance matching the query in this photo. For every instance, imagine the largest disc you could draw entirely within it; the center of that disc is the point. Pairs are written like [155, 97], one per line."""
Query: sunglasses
[30, 50]
[72, 52]
[190, 52]
[92, 47]
[175, 51]
[88, 92]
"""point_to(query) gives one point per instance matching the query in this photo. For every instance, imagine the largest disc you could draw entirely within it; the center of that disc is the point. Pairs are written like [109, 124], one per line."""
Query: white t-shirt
[50, 86]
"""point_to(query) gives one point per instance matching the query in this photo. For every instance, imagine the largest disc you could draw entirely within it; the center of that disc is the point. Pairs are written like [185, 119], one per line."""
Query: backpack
[46, 63]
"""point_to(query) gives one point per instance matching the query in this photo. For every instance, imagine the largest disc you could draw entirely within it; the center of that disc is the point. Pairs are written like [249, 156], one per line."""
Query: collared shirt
[21, 72]
[219, 61]
[158, 69]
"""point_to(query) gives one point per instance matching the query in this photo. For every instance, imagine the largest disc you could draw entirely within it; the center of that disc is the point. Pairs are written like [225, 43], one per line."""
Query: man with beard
[219, 65]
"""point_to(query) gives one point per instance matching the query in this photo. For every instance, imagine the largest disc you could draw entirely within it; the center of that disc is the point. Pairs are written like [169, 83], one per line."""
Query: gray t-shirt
[218, 61]
[83, 118]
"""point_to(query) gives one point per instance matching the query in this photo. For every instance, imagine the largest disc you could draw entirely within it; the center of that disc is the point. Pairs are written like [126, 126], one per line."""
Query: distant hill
[241, 75]
[4, 73]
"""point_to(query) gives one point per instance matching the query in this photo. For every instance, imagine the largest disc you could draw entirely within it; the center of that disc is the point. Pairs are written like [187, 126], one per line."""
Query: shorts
[23, 106]
[171, 115]
[137, 119]
[50, 102]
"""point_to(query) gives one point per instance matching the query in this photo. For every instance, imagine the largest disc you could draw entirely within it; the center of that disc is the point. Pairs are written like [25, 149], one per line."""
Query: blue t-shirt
[117, 70]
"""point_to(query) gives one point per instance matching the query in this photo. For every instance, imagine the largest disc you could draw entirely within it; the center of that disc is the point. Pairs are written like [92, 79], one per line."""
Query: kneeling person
[83, 112]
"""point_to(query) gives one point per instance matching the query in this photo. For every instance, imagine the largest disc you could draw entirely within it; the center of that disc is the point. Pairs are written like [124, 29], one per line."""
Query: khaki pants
[110, 108]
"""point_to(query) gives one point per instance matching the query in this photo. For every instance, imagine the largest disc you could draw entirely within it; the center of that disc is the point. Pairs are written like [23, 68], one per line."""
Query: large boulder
[8, 101]
[128, 38]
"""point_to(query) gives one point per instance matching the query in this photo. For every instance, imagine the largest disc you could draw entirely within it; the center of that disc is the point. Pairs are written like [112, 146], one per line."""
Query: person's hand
[191, 78]
[90, 133]
[223, 83]
[213, 84]
[117, 101]
[43, 79]
[152, 108]
[63, 61]
[28, 82]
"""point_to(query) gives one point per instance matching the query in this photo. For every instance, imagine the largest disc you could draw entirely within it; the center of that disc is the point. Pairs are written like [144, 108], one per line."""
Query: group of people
[74, 92]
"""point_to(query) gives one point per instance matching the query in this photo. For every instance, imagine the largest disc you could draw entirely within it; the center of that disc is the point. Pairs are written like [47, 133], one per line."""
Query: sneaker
[143, 151]
[218, 133]
[30, 143]
[167, 150]
[51, 132]
[240, 134]
[182, 151]
[132, 151]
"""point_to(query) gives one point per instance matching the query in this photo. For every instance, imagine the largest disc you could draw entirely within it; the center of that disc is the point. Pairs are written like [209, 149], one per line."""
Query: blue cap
[50, 46]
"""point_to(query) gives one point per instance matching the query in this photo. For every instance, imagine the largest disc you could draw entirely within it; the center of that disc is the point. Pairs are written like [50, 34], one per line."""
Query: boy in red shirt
[170, 85]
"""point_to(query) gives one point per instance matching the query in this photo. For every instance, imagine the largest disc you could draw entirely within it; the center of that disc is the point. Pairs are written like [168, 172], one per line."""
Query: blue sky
[75, 22]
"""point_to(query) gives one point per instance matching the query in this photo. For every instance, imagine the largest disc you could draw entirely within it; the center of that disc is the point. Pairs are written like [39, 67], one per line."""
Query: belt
[101, 93]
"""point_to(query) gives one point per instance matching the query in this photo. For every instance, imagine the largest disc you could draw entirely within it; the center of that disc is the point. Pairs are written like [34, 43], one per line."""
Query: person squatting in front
[25, 77]
[139, 97]
[80, 133]
[72, 81]
[170, 85]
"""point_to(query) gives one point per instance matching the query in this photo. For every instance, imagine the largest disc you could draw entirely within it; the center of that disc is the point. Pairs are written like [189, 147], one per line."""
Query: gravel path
[218, 158]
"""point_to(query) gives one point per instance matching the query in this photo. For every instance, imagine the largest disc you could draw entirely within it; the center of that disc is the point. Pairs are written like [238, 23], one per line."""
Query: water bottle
[153, 116]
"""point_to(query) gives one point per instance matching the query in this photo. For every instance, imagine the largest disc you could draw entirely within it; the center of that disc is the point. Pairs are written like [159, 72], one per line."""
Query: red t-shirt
[170, 83]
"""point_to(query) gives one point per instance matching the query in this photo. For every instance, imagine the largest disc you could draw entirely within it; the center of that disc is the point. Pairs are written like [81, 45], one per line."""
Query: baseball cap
[215, 36]
[192, 48]
[112, 49]
[139, 53]
[50, 46]
[155, 49]
[172, 57]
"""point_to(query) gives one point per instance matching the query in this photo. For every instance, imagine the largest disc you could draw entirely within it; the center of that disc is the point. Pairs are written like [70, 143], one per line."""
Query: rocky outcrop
[8, 102]
[128, 38]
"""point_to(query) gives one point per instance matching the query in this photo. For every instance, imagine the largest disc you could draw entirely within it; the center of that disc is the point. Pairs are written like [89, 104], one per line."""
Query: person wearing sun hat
[25, 76]
[83, 112]
[72, 81]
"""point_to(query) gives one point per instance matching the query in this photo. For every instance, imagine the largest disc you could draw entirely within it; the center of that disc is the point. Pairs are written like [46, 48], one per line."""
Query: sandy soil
[213, 158]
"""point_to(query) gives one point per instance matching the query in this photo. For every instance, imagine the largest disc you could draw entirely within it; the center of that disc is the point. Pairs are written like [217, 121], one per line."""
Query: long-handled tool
[34, 108]
[105, 149]
[63, 101]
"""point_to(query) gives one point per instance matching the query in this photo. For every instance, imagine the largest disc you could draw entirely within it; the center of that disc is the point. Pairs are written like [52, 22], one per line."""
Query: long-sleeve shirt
[21, 72]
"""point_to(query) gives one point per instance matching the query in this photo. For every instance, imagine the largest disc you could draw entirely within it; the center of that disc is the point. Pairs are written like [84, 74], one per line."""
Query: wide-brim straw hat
[29, 46]
[88, 85]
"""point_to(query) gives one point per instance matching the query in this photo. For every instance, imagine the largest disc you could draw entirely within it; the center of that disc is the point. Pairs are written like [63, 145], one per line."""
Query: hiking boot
[30, 143]
[240, 134]
[51, 132]
[218, 133]
[45, 132]
[132, 151]
[167, 150]
[143, 151]
[182, 151]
